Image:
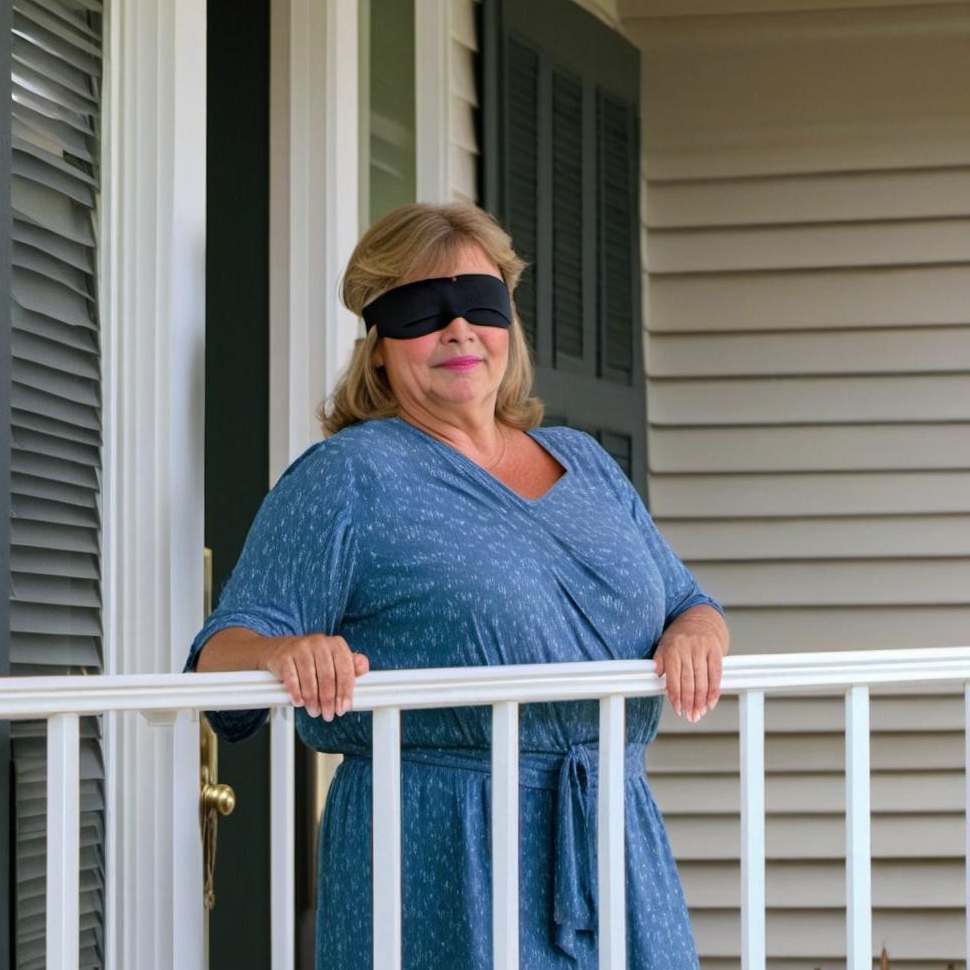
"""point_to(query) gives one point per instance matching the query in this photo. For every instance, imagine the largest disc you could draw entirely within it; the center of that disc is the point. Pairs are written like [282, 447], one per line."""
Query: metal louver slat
[56, 439]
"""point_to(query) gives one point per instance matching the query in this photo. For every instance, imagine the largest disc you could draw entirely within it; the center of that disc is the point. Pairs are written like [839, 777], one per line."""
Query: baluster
[282, 836]
[752, 727]
[857, 849]
[63, 841]
[505, 835]
[966, 815]
[611, 848]
[386, 816]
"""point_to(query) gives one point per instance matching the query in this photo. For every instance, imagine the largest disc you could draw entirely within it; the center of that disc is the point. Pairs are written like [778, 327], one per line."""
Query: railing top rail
[27, 697]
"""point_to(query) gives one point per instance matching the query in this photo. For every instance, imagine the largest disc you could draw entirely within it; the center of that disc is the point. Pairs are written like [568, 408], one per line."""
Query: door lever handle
[216, 799]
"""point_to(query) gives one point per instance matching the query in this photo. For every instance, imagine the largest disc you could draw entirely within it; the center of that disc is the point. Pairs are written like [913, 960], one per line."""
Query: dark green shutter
[55, 431]
[559, 127]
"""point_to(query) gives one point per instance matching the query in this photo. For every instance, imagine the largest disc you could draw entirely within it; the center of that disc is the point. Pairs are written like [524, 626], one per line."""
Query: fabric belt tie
[573, 774]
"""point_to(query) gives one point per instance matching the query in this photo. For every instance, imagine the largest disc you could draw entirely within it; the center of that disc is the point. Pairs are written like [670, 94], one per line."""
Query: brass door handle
[216, 799]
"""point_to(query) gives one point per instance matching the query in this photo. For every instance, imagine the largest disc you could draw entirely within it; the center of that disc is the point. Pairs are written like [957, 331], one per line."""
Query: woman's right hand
[318, 671]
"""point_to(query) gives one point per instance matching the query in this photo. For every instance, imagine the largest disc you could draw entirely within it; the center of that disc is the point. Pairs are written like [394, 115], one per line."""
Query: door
[559, 129]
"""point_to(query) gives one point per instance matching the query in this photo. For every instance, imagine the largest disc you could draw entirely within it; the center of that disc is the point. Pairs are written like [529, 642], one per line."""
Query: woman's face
[415, 366]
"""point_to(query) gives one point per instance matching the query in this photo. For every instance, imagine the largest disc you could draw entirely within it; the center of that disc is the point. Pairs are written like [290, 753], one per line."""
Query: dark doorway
[237, 427]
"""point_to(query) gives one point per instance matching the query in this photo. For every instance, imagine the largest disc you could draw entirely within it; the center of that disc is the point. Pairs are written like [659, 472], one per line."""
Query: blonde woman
[438, 525]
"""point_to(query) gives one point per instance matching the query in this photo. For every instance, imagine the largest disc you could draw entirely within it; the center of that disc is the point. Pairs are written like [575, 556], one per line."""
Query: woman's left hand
[689, 654]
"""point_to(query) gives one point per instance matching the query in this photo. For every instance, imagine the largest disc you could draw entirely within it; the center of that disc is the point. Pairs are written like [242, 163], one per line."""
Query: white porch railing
[176, 700]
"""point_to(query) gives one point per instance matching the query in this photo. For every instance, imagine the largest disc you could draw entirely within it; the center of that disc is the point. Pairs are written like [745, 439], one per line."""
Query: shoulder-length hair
[415, 241]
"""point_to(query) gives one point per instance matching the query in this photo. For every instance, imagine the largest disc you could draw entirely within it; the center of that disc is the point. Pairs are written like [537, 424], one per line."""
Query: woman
[438, 525]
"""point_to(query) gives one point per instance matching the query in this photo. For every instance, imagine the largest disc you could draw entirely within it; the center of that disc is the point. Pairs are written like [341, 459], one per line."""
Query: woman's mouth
[461, 363]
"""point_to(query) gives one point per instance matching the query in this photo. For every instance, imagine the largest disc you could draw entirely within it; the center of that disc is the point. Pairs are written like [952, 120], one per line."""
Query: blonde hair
[415, 241]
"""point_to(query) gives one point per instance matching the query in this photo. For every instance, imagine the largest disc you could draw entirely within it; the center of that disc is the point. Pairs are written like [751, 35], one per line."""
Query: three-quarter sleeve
[295, 572]
[681, 589]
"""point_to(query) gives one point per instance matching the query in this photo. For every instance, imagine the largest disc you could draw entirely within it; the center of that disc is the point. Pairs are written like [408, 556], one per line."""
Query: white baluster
[752, 727]
[282, 836]
[188, 927]
[63, 841]
[505, 835]
[966, 814]
[858, 873]
[386, 816]
[611, 848]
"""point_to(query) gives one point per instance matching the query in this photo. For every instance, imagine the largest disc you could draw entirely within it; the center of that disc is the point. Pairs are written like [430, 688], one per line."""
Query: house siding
[806, 241]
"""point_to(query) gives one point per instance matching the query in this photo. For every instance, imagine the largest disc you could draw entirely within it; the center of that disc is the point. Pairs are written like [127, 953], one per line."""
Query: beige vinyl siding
[806, 242]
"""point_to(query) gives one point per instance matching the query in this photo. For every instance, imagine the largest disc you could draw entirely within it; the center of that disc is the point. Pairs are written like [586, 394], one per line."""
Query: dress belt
[573, 775]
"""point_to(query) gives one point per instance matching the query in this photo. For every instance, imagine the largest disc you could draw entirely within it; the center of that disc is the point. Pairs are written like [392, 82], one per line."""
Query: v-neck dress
[419, 557]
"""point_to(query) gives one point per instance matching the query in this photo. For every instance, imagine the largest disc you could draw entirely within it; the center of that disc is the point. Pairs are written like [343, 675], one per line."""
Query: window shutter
[55, 432]
[559, 126]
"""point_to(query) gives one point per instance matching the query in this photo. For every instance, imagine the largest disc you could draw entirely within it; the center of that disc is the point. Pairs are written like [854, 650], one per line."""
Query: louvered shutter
[560, 161]
[55, 457]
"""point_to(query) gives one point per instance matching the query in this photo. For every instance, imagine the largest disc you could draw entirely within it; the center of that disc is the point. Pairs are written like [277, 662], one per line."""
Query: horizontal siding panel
[910, 350]
[821, 299]
[896, 884]
[832, 400]
[832, 197]
[926, 536]
[843, 493]
[808, 792]
[922, 936]
[809, 91]
[899, 751]
[813, 448]
[911, 836]
[884, 627]
[869, 582]
[808, 247]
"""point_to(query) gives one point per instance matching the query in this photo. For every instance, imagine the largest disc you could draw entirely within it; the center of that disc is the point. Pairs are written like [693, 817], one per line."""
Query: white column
[152, 276]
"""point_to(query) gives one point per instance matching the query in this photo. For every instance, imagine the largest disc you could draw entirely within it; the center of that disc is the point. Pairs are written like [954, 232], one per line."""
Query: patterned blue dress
[419, 557]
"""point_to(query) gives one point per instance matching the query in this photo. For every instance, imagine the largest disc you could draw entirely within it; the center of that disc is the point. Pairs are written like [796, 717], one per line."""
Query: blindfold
[419, 308]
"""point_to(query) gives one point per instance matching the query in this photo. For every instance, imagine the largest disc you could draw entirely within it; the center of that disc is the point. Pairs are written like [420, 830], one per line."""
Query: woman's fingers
[343, 662]
[291, 681]
[307, 672]
[714, 669]
[326, 682]
[699, 701]
[687, 686]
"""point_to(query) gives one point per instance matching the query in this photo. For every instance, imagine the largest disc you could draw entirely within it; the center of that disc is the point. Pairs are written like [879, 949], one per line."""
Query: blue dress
[419, 557]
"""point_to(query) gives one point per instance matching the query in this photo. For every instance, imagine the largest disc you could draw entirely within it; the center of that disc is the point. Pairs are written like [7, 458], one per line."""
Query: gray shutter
[55, 470]
[560, 160]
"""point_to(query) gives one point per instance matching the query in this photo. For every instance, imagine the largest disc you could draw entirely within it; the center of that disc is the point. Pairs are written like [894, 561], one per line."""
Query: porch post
[152, 274]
